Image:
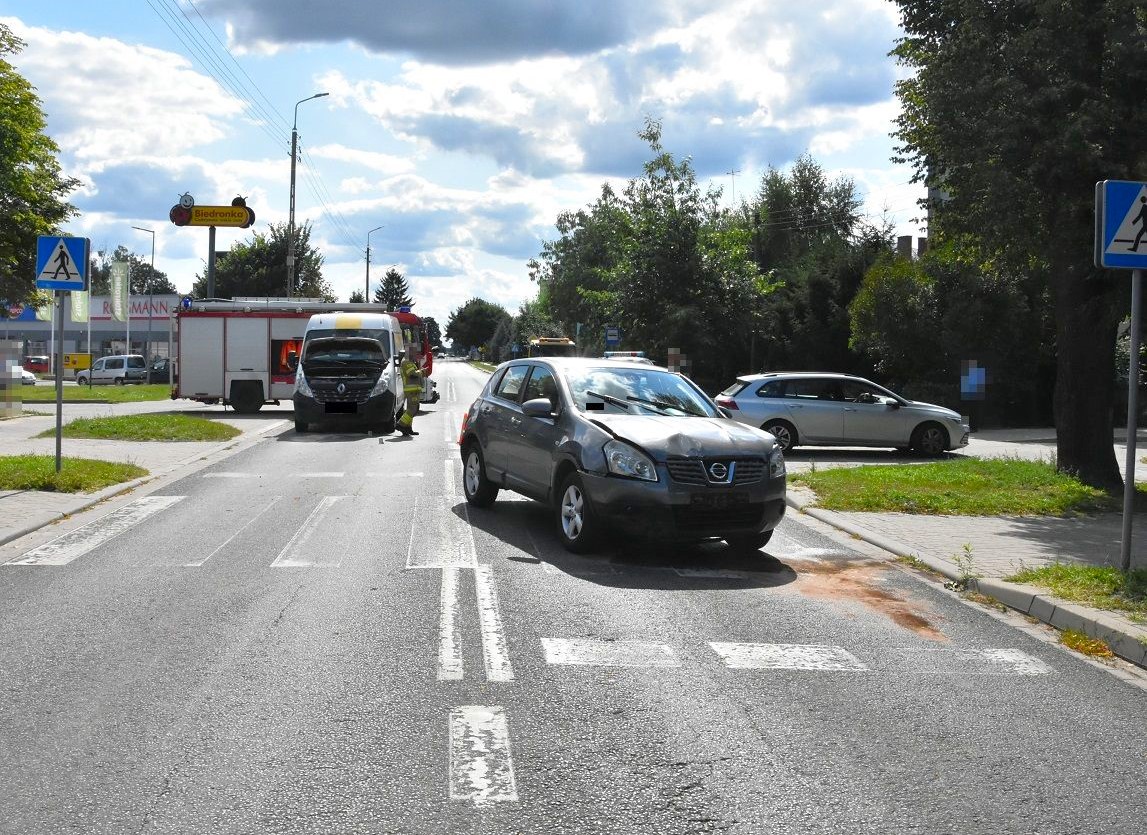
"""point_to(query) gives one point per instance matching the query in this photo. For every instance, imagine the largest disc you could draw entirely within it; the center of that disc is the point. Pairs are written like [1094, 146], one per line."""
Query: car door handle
[849, 409]
[514, 421]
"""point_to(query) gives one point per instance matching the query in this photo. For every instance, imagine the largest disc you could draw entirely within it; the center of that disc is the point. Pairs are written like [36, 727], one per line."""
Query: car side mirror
[891, 402]
[539, 407]
[292, 360]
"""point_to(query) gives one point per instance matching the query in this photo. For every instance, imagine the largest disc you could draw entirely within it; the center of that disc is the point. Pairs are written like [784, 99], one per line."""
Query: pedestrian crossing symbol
[61, 263]
[1121, 225]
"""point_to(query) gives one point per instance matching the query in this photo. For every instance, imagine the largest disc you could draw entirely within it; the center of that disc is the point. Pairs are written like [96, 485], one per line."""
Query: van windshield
[380, 335]
[340, 351]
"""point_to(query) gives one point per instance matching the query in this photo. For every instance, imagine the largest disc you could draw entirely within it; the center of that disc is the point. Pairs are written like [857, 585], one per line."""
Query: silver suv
[827, 409]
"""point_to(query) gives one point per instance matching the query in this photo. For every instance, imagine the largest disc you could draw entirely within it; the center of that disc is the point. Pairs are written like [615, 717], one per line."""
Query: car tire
[749, 542]
[577, 524]
[784, 432]
[300, 426]
[81, 380]
[119, 381]
[930, 439]
[478, 489]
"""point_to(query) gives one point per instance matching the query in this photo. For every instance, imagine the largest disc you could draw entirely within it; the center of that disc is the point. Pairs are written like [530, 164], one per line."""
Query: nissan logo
[718, 471]
[341, 388]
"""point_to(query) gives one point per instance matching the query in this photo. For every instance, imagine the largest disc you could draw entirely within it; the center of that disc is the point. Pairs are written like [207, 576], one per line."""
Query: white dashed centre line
[449, 639]
[494, 651]
[63, 549]
[481, 769]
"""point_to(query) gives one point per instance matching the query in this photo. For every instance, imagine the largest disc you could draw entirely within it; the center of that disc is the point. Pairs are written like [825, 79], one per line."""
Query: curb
[1028, 600]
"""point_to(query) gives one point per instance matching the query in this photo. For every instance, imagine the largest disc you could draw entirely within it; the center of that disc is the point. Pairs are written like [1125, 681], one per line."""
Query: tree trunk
[1085, 380]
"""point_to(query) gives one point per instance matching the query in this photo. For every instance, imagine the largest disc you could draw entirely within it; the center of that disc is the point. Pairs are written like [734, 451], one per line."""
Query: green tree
[474, 323]
[33, 190]
[357, 297]
[393, 291]
[144, 278]
[259, 267]
[433, 332]
[1016, 109]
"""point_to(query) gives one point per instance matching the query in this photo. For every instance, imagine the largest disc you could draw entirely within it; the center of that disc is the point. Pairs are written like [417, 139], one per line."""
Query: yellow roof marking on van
[347, 320]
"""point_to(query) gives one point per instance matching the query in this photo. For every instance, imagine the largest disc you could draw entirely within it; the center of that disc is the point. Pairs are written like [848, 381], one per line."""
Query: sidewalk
[999, 545]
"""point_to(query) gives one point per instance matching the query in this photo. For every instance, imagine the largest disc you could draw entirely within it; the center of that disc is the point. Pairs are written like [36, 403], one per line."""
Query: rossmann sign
[141, 307]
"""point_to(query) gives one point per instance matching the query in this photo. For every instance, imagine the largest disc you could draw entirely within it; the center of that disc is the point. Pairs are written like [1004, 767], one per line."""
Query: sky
[462, 128]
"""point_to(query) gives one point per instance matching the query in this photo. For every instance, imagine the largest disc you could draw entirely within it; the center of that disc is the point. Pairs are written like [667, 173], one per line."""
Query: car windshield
[637, 390]
[343, 351]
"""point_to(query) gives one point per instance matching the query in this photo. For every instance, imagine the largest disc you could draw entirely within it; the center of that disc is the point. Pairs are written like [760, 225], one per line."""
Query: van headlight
[776, 462]
[382, 385]
[624, 460]
[301, 385]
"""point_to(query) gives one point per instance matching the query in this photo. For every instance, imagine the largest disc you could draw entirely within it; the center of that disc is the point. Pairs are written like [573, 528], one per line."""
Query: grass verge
[1085, 644]
[77, 475]
[963, 487]
[483, 366]
[1101, 587]
[148, 427]
[112, 394]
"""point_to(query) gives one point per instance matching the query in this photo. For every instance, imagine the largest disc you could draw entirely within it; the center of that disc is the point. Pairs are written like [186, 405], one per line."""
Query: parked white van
[348, 369]
[114, 370]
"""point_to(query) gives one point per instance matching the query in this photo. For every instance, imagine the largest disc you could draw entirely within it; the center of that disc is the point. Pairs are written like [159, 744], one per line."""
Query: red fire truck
[414, 332]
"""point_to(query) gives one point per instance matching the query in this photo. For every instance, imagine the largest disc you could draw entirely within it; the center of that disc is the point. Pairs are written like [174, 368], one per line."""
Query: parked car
[118, 369]
[22, 374]
[160, 369]
[37, 364]
[827, 409]
[616, 445]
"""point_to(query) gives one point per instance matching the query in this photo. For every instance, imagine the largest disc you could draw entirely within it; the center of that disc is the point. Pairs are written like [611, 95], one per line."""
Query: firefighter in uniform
[411, 388]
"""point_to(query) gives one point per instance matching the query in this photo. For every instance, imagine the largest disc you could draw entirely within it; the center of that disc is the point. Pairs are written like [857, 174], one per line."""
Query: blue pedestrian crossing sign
[61, 263]
[1121, 225]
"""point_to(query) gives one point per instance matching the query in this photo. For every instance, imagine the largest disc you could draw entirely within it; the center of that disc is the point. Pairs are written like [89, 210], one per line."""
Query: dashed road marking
[450, 488]
[598, 653]
[786, 657]
[449, 639]
[494, 652]
[290, 556]
[63, 549]
[481, 768]
[956, 661]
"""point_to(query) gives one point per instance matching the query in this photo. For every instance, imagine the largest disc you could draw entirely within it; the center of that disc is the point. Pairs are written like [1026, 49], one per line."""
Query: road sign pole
[1132, 420]
[59, 375]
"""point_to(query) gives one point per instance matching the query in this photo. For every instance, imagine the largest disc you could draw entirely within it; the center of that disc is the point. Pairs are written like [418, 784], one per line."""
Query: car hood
[690, 437]
[934, 410]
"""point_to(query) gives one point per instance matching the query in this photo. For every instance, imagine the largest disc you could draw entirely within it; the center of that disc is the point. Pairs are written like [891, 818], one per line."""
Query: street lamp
[368, 234]
[150, 296]
[291, 223]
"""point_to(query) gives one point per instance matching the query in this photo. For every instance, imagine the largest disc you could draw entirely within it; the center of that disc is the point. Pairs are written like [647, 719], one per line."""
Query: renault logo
[718, 472]
[341, 388]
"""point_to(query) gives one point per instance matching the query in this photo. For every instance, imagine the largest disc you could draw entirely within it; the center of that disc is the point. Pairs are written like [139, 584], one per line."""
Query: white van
[348, 369]
[117, 369]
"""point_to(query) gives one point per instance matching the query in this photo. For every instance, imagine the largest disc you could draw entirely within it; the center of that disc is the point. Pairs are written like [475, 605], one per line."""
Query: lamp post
[368, 234]
[150, 296]
[291, 222]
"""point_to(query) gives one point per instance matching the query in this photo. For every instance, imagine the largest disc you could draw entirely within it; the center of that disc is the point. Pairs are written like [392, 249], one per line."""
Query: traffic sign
[1121, 225]
[612, 335]
[61, 263]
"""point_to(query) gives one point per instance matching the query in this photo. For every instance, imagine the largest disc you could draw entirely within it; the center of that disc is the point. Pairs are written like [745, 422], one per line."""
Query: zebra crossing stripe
[63, 549]
[598, 653]
[289, 556]
[494, 651]
[449, 639]
[786, 657]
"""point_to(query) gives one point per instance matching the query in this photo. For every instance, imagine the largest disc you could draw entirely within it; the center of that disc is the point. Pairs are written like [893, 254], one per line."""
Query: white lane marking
[321, 475]
[450, 427]
[984, 662]
[597, 653]
[227, 541]
[450, 489]
[67, 547]
[231, 475]
[449, 638]
[786, 657]
[481, 769]
[439, 539]
[494, 651]
[289, 556]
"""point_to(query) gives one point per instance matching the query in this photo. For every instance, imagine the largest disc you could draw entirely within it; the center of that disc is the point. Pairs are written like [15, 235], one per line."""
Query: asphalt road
[317, 635]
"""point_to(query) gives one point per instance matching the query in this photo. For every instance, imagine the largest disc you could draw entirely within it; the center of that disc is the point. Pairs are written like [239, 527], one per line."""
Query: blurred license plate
[718, 499]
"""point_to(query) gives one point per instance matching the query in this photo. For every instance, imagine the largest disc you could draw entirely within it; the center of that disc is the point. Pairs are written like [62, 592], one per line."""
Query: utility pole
[733, 176]
[366, 298]
[291, 221]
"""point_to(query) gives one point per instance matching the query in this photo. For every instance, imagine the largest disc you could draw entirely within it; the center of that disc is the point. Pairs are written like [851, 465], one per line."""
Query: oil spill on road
[858, 581]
